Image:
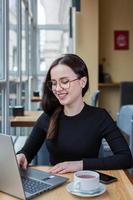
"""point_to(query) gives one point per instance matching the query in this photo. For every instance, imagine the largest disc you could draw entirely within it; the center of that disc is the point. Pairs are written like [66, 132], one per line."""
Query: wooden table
[120, 190]
[36, 99]
[28, 120]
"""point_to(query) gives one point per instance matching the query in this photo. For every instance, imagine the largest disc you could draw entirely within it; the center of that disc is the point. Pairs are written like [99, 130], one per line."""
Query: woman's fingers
[66, 167]
[22, 161]
[25, 163]
[56, 169]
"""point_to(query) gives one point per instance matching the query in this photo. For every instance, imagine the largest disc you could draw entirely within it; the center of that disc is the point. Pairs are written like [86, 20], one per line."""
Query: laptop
[24, 184]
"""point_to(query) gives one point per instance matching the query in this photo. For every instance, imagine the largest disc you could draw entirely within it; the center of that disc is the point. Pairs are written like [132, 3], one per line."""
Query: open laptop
[24, 184]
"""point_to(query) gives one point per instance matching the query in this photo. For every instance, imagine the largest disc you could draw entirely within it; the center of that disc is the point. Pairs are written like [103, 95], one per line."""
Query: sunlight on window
[41, 14]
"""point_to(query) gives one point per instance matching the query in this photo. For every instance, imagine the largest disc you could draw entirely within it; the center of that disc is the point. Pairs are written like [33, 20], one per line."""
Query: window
[23, 39]
[53, 31]
[52, 43]
[1, 57]
[13, 37]
[4, 123]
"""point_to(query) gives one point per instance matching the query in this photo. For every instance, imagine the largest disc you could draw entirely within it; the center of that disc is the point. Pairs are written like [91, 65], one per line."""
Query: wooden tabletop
[36, 99]
[120, 190]
[28, 120]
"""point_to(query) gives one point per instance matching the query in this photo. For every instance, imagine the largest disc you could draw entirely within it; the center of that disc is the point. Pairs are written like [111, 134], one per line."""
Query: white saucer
[70, 189]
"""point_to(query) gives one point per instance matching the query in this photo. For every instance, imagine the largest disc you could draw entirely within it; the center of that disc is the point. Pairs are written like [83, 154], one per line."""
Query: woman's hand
[22, 161]
[68, 166]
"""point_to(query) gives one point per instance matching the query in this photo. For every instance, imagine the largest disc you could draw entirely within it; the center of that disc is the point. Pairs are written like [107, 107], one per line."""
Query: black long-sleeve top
[79, 138]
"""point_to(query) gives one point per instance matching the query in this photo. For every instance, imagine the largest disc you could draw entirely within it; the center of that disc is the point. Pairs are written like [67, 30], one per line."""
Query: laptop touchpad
[38, 174]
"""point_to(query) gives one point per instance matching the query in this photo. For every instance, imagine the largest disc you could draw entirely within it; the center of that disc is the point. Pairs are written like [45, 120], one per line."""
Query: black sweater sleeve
[36, 138]
[121, 157]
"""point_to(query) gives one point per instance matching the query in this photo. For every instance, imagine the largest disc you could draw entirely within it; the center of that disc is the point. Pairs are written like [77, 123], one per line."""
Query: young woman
[72, 129]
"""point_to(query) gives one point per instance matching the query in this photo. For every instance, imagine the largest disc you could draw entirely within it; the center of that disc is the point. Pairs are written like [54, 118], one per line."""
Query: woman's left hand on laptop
[65, 167]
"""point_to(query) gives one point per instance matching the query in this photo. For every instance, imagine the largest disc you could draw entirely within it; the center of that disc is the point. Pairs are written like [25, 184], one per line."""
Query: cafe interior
[33, 33]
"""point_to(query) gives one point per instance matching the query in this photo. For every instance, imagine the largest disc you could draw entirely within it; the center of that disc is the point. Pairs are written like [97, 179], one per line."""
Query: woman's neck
[71, 110]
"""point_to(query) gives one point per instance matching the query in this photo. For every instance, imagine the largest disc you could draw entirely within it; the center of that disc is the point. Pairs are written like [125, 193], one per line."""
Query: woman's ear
[83, 81]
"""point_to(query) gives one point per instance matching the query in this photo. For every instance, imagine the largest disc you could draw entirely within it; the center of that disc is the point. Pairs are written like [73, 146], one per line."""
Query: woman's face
[65, 84]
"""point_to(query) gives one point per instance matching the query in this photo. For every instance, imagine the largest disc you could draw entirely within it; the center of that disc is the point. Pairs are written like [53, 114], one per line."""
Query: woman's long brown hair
[50, 103]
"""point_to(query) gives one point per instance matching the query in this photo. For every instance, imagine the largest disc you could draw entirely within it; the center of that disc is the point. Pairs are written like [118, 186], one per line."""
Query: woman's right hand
[22, 161]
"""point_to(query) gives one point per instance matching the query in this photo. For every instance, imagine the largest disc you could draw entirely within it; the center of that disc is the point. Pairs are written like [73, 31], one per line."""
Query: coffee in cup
[85, 181]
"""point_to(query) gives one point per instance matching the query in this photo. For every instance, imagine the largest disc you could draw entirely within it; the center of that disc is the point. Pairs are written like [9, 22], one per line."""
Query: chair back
[94, 98]
[124, 119]
[125, 123]
[42, 157]
[126, 93]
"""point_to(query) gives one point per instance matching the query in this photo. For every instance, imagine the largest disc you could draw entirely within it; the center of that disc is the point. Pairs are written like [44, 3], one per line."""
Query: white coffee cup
[85, 181]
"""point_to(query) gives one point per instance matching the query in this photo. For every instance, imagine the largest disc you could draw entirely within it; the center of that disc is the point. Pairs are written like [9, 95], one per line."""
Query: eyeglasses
[64, 83]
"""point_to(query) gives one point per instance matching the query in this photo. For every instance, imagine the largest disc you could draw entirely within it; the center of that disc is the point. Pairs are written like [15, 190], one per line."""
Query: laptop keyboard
[32, 186]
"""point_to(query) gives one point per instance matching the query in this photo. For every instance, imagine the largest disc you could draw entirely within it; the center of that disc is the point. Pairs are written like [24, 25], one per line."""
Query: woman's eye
[64, 81]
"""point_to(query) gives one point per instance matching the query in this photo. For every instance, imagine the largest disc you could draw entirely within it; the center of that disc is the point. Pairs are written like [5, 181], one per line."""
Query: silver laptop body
[11, 176]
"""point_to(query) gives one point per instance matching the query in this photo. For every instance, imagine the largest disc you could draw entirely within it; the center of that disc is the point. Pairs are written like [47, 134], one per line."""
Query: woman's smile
[61, 96]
